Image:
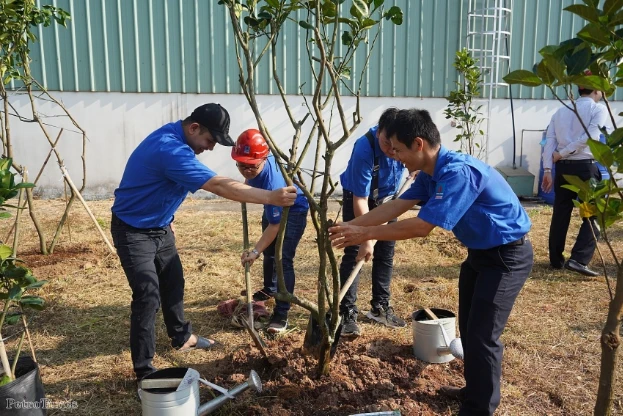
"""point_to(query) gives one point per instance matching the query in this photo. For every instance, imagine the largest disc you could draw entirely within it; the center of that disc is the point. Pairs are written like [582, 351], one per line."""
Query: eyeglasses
[243, 166]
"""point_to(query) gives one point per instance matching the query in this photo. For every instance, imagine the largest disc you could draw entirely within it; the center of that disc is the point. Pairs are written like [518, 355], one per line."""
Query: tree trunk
[611, 344]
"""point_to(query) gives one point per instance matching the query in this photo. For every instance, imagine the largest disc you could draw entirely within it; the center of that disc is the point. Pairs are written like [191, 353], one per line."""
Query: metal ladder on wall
[487, 39]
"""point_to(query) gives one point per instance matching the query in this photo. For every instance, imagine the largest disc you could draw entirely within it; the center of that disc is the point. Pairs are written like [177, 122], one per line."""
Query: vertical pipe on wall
[406, 91]
[90, 47]
[446, 47]
[74, 54]
[121, 50]
[420, 49]
[44, 79]
[181, 10]
[167, 54]
[106, 67]
[211, 55]
[150, 15]
[58, 54]
[226, 40]
[197, 53]
[136, 44]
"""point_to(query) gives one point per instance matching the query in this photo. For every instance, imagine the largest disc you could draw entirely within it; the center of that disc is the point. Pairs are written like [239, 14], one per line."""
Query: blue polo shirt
[159, 174]
[471, 199]
[358, 176]
[271, 179]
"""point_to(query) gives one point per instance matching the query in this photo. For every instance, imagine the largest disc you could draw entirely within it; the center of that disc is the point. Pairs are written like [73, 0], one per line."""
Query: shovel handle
[430, 314]
[349, 282]
[247, 273]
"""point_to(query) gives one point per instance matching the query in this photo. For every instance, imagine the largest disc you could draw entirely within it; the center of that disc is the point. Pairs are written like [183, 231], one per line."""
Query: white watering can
[432, 343]
[175, 392]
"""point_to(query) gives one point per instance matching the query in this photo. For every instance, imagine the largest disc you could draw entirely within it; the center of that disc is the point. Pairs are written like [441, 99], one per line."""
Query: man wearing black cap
[159, 174]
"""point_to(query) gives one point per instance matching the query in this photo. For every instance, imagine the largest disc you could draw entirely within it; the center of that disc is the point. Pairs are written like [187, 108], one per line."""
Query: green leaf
[36, 285]
[305, 25]
[616, 20]
[544, 73]
[615, 139]
[12, 318]
[577, 62]
[347, 39]
[5, 252]
[611, 6]
[34, 302]
[556, 66]
[394, 14]
[359, 9]
[5, 214]
[15, 292]
[593, 33]
[578, 183]
[273, 3]
[602, 153]
[591, 82]
[591, 3]
[586, 12]
[523, 77]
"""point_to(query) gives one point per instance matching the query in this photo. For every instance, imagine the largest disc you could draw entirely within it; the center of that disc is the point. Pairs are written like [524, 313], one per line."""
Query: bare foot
[192, 341]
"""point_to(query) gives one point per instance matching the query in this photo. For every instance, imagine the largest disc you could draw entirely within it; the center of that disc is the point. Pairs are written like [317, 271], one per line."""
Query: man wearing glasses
[373, 176]
[260, 170]
[159, 174]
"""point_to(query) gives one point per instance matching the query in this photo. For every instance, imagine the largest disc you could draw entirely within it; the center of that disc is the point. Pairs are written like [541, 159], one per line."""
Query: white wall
[117, 122]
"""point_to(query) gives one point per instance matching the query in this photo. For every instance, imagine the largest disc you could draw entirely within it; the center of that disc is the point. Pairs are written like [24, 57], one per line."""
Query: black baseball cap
[217, 120]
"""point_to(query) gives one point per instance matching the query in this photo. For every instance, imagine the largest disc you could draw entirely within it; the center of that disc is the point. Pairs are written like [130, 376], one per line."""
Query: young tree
[18, 22]
[461, 107]
[597, 47]
[327, 24]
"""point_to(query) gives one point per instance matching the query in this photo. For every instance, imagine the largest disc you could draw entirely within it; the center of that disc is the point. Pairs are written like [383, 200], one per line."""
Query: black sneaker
[262, 295]
[277, 324]
[350, 328]
[385, 315]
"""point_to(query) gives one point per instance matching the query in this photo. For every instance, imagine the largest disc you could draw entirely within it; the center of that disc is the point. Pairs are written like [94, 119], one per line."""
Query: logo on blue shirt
[276, 212]
[439, 190]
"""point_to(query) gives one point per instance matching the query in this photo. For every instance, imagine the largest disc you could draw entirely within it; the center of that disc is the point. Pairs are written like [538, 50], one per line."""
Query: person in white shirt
[566, 147]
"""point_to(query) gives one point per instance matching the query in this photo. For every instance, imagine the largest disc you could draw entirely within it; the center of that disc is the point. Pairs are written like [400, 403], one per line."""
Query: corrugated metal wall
[187, 46]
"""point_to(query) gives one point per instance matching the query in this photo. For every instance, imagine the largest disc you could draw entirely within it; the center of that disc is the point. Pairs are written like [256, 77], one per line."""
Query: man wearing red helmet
[260, 170]
[159, 174]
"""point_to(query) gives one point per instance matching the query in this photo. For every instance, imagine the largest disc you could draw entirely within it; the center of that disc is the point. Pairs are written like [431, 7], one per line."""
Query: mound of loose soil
[367, 375]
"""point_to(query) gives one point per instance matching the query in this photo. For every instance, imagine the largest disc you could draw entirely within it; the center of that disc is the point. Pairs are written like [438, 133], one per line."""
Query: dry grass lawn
[552, 354]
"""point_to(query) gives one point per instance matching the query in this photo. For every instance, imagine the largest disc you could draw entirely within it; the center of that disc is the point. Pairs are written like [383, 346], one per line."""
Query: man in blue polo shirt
[462, 194]
[372, 177]
[159, 174]
[260, 170]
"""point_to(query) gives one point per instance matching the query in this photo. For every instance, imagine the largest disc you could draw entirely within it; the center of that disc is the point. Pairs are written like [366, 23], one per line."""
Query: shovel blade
[314, 336]
[258, 342]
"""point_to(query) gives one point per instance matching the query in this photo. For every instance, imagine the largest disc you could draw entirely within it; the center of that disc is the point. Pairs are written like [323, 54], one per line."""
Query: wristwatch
[254, 251]
[547, 170]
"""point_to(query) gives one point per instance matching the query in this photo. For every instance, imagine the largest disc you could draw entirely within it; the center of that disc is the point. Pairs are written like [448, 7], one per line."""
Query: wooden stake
[97, 225]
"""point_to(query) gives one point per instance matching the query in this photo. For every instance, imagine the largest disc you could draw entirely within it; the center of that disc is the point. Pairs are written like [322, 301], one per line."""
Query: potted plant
[20, 381]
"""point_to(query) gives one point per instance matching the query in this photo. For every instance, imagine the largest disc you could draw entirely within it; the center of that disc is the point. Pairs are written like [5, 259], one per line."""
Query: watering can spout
[253, 381]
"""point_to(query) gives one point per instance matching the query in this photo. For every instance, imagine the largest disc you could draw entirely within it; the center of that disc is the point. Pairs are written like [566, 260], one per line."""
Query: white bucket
[428, 336]
[169, 402]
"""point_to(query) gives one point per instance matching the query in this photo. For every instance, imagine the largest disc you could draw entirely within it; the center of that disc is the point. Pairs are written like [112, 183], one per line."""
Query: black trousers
[489, 282]
[152, 265]
[383, 264]
[585, 245]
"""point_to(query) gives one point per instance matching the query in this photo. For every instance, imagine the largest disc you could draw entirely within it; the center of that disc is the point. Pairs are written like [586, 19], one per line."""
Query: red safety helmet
[250, 148]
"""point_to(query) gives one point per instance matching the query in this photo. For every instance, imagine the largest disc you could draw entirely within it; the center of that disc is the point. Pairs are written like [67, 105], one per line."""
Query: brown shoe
[452, 392]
